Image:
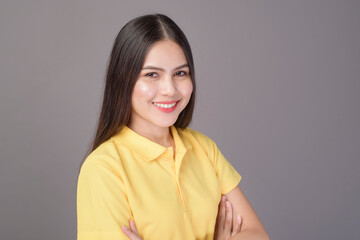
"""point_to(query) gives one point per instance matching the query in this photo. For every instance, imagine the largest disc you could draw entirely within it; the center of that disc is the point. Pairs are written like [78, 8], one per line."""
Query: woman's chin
[167, 123]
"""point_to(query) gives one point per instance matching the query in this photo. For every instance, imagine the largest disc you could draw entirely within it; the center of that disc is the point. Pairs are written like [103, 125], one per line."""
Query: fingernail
[222, 198]
[238, 217]
[228, 204]
[124, 228]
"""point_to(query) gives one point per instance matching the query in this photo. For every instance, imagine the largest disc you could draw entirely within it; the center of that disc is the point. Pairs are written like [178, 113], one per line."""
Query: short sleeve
[229, 178]
[102, 206]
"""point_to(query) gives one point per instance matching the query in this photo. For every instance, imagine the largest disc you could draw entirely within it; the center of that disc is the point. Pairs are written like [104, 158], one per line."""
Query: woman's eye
[151, 74]
[180, 73]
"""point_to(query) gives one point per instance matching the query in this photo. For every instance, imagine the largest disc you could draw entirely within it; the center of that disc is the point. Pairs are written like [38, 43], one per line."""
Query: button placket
[167, 156]
[180, 193]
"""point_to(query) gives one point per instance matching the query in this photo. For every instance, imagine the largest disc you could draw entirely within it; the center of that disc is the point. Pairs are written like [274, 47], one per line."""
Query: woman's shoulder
[105, 155]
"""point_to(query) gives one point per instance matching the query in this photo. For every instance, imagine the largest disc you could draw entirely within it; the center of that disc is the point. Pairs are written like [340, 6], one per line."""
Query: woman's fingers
[228, 220]
[133, 227]
[131, 233]
[220, 220]
[222, 212]
[237, 226]
[128, 233]
[226, 226]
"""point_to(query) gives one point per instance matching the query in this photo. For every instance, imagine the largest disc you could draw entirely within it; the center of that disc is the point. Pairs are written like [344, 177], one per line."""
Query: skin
[165, 77]
[251, 226]
[226, 226]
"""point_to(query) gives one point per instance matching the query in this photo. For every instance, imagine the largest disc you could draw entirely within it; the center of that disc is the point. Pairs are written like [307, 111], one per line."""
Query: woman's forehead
[165, 54]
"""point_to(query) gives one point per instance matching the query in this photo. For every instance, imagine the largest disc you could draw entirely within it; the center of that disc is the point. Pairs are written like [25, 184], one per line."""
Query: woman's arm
[251, 226]
[225, 227]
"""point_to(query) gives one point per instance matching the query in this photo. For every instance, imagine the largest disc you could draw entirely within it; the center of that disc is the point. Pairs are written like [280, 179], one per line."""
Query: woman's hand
[131, 233]
[225, 227]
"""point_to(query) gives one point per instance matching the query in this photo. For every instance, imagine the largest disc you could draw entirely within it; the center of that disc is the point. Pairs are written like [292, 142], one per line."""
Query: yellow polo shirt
[168, 197]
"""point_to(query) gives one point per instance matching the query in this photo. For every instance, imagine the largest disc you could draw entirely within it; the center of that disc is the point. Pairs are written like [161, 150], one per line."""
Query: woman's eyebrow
[161, 69]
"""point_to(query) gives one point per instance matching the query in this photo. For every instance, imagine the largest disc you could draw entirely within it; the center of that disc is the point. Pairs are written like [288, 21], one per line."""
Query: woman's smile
[166, 106]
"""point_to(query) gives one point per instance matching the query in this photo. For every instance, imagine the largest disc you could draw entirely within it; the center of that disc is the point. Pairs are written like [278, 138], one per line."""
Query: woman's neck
[160, 135]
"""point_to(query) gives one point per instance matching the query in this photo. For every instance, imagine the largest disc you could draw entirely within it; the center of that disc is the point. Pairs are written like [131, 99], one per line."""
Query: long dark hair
[126, 60]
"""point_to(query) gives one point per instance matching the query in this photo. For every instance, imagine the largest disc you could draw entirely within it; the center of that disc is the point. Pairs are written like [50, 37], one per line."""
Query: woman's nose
[168, 86]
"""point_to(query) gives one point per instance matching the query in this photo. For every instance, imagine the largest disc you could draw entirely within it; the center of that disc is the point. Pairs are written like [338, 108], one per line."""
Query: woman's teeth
[165, 105]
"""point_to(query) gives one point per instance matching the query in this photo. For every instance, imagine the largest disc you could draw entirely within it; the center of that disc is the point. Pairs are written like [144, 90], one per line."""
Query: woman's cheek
[187, 89]
[144, 89]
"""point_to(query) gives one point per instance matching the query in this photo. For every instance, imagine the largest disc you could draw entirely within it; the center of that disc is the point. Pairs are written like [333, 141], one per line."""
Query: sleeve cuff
[231, 184]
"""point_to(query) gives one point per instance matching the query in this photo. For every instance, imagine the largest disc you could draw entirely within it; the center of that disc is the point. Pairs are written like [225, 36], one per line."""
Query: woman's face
[163, 87]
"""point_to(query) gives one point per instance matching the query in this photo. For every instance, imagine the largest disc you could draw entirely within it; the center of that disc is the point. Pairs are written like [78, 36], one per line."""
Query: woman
[148, 170]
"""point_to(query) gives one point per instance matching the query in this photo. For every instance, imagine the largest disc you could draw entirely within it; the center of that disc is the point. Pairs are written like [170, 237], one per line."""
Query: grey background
[279, 92]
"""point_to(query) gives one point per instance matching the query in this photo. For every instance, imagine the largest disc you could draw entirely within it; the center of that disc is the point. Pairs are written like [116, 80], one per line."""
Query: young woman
[149, 176]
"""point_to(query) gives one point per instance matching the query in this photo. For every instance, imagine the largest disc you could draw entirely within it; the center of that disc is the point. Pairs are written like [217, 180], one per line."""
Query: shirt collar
[146, 148]
[181, 143]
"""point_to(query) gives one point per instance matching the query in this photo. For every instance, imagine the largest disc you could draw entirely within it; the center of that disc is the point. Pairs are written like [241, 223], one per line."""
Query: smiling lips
[166, 106]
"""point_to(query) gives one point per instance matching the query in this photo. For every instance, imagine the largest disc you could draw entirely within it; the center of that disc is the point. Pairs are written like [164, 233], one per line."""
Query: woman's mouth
[166, 106]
